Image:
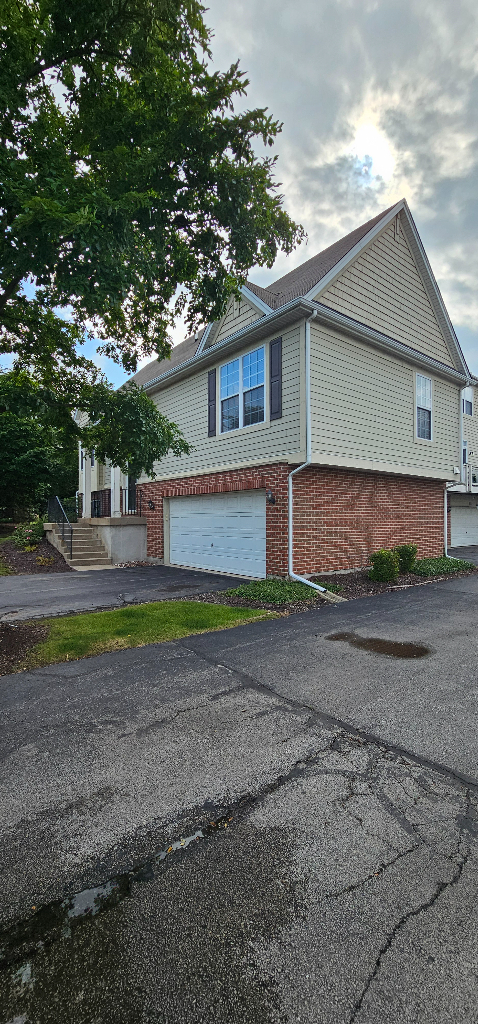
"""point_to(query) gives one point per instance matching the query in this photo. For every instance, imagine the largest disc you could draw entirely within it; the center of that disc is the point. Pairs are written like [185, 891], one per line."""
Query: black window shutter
[276, 378]
[211, 403]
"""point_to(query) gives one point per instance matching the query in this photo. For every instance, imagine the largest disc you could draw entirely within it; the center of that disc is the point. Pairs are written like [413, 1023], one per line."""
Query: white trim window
[424, 407]
[242, 390]
[468, 401]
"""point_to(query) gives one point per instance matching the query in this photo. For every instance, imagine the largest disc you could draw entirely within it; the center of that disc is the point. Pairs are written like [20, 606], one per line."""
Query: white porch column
[115, 491]
[86, 485]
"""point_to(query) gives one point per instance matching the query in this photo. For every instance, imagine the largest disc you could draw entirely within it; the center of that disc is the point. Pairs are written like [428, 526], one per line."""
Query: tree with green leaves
[129, 187]
[39, 437]
[130, 191]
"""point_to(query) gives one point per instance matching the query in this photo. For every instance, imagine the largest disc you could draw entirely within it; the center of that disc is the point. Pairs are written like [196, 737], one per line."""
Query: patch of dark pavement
[377, 645]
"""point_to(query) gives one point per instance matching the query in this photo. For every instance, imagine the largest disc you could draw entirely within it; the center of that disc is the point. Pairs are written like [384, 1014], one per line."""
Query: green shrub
[385, 565]
[407, 554]
[440, 566]
[28, 535]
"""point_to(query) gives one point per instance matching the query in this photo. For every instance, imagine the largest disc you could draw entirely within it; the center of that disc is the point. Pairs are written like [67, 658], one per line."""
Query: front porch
[111, 506]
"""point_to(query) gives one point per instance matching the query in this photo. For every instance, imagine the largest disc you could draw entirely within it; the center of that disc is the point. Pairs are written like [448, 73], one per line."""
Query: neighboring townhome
[463, 496]
[349, 364]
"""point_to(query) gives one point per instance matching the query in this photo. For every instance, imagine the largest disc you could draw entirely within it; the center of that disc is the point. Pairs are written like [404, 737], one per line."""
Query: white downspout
[308, 459]
[445, 522]
[462, 467]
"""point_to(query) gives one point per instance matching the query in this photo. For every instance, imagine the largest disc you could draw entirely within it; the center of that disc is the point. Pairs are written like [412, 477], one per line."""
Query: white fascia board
[252, 298]
[255, 300]
[429, 280]
[270, 318]
[354, 252]
[325, 315]
[207, 331]
[331, 318]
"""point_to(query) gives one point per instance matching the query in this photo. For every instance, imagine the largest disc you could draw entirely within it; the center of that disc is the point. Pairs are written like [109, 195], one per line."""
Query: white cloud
[379, 101]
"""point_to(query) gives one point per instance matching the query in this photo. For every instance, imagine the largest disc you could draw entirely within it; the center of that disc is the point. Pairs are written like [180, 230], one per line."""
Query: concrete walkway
[275, 826]
[23, 597]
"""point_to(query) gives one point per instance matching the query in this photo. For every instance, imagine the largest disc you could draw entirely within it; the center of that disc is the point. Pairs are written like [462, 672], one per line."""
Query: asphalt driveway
[468, 552]
[41, 595]
[259, 825]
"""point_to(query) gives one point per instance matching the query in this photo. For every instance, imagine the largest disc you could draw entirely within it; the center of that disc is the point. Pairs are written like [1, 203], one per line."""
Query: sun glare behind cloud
[370, 142]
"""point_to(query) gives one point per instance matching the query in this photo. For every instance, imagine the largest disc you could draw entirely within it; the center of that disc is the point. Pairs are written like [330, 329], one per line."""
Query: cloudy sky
[379, 101]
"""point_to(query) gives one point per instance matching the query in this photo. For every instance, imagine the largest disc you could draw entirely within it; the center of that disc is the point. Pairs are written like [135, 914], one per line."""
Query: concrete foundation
[123, 537]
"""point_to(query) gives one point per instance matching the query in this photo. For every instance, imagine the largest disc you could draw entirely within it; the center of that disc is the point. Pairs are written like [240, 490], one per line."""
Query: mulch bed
[16, 641]
[353, 584]
[357, 584]
[25, 562]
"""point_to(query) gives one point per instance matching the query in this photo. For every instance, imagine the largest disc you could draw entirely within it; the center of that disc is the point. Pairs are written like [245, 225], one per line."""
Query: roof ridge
[304, 277]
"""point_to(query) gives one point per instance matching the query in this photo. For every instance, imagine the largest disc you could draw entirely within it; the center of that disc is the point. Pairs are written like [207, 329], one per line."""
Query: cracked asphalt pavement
[255, 826]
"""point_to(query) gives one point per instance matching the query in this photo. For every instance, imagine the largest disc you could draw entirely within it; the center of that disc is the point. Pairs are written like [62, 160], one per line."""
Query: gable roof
[302, 279]
[307, 281]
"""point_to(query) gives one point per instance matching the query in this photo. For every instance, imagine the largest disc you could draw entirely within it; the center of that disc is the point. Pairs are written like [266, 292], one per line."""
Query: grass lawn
[276, 591]
[79, 636]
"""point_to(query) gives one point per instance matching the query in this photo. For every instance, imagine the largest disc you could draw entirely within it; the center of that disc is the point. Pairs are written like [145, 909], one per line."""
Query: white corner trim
[207, 331]
[354, 252]
[255, 300]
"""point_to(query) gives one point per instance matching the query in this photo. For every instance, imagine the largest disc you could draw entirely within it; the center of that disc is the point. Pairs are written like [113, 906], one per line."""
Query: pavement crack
[368, 878]
[421, 909]
[339, 725]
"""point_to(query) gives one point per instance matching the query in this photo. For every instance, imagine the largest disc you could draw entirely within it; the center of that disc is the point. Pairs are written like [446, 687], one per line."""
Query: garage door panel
[464, 525]
[223, 532]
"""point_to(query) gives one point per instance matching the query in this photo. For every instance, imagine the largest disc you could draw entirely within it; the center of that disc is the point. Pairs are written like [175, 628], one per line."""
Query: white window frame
[242, 426]
[424, 440]
[468, 396]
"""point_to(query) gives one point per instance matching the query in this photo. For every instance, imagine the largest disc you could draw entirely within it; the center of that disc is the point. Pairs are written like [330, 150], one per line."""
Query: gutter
[299, 307]
[333, 598]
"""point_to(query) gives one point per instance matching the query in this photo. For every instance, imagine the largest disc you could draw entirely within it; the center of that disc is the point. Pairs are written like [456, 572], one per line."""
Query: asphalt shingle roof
[299, 281]
[179, 354]
[292, 285]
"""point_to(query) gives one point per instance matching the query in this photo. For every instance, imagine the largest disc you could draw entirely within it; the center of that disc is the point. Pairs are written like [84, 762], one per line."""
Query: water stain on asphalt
[392, 648]
[170, 939]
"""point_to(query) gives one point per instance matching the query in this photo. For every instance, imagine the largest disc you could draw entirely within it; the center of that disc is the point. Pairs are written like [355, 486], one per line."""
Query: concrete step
[85, 545]
[89, 560]
[87, 549]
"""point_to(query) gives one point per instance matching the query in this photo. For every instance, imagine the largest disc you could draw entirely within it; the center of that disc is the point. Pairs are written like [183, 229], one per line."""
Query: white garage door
[464, 525]
[224, 532]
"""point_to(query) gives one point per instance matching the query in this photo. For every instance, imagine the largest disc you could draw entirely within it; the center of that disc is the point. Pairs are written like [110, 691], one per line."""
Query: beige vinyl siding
[470, 430]
[245, 314]
[186, 404]
[363, 407]
[383, 289]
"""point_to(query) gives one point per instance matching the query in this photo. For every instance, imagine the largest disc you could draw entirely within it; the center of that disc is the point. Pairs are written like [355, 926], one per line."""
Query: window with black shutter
[211, 403]
[276, 379]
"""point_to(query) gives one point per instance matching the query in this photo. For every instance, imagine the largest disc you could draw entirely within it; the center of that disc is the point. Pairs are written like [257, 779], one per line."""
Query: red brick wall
[340, 516]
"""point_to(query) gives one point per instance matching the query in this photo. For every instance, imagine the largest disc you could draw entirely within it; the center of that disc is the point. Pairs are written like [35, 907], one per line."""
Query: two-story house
[348, 364]
[463, 496]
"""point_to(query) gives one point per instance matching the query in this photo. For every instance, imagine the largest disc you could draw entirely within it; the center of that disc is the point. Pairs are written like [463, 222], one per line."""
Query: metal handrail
[57, 514]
